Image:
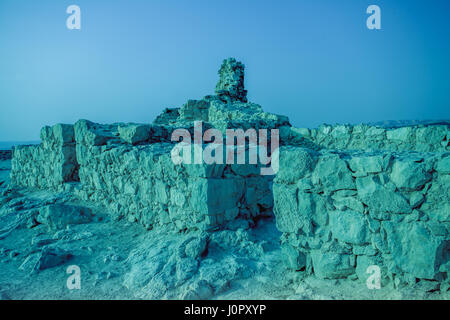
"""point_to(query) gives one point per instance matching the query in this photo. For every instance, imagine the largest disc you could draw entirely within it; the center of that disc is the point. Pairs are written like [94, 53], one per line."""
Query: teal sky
[313, 60]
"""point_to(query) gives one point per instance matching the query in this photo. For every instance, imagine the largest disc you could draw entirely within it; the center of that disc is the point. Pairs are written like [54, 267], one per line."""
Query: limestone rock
[295, 163]
[294, 258]
[332, 173]
[196, 247]
[348, 226]
[135, 133]
[378, 197]
[45, 259]
[344, 196]
[409, 175]
[329, 265]
[432, 137]
[416, 250]
[231, 82]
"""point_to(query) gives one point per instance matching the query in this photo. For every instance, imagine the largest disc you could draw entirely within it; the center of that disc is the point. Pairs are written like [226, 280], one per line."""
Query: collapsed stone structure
[345, 197]
[128, 167]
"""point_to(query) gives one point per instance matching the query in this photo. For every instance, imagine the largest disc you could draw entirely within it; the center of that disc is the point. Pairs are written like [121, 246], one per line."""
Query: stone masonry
[346, 197]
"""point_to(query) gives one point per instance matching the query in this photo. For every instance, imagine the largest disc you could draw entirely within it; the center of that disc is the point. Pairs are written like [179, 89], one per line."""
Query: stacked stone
[423, 138]
[341, 212]
[380, 198]
[231, 84]
[49, 164]
[141, 182]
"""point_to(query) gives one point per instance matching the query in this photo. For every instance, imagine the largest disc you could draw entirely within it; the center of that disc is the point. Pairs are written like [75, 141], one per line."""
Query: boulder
[400, 134]
[58, 216]
[135, 133]
[45, 259]
[196, 246]
[295, 163]
[288, 218]
[331, 265]
[409, 175]
[93, 134]
[443, 165]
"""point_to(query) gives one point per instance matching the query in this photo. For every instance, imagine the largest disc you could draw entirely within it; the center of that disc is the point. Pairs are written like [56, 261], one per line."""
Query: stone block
[135, 133]
[349, 226]
[331, 265]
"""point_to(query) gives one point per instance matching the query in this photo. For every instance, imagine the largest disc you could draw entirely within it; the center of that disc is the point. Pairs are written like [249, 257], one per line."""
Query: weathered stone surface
[381, 197]
[423, 138]
[329, 265]
[94, 134]
[345, 195]
[347, 202]
[295, 163]
[195, 110]
[142, 182]
[289, 219]
[332, 173]
[231, 83]
[366, 164]
[49, 164]
[348, 226]
[59, 216]
[443, 166]
[135, 133]
[415, 250]
[45, 259]
[294, 259]
[409, 175]
[381, 212]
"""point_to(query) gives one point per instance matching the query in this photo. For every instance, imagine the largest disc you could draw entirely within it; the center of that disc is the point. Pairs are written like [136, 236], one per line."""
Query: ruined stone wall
[423, 138]
[141, 183]
[381, 198]
[343, 211]
[49, 164]
[231, 83]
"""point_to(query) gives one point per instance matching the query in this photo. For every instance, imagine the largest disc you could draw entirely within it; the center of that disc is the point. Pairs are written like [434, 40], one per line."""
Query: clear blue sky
[313, 60]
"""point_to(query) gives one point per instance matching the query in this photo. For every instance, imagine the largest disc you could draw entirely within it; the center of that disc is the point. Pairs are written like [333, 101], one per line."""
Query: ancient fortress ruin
[345, 197]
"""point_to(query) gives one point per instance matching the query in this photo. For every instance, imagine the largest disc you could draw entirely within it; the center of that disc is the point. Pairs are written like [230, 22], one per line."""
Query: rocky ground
[122, 260]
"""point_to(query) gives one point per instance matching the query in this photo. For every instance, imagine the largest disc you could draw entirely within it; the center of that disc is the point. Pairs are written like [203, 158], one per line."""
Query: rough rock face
[128, 167]
[49, 164]
[44, 259]
[142, 184]
[418, 137]
[345, 197]
[231, 83]
[58, 217]
[343, 211]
